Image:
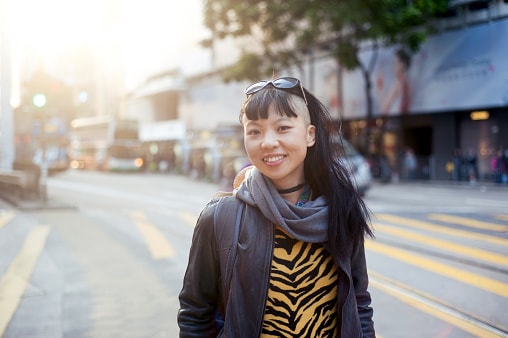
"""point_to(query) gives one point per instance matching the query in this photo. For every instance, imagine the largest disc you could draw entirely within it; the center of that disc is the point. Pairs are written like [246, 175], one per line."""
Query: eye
[253, 132]
[284, 128]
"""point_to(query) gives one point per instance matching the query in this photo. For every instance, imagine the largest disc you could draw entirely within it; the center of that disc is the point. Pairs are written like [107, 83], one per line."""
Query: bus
[105, 143]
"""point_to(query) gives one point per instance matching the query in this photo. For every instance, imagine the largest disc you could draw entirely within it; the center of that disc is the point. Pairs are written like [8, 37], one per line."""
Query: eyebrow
[280, 119]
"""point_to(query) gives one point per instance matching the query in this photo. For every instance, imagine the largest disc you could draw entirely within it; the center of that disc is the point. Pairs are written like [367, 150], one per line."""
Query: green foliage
[288, 29]
[58, 94]
[248, 67]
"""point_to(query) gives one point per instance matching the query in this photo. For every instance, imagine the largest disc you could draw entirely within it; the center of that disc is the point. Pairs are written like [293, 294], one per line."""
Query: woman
[397, 100]
[297, 268]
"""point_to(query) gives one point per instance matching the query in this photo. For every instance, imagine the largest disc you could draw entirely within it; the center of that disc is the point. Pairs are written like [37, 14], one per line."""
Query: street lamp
[39, 100]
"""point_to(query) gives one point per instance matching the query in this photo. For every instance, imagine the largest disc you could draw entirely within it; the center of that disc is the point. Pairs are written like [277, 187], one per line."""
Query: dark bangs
[256, 106]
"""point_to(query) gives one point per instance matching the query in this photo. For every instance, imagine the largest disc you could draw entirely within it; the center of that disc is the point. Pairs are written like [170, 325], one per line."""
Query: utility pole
[6, 115]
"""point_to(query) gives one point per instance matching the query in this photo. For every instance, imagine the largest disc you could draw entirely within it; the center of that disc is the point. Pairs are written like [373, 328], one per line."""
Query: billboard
[456, 70]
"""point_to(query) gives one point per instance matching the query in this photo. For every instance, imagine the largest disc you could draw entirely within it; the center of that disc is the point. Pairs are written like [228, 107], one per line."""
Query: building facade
[448, 102]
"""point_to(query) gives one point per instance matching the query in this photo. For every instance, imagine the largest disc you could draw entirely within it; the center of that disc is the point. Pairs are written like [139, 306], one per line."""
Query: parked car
[359, 168]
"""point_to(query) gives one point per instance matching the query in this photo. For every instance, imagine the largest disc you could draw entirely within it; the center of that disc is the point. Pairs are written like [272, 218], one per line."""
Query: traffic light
[46, 94]
[39, 100]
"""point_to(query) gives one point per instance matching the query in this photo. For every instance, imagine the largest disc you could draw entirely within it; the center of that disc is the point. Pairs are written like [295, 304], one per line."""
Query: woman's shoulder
[221, 202]
[219, 216]
[221, 197]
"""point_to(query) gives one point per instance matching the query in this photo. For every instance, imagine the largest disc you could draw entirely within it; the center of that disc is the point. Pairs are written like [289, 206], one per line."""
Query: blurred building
[50, 86]
[448, 102]
[449, 98]
[187, 124]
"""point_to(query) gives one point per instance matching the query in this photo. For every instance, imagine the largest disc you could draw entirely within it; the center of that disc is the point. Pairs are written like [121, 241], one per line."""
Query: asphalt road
[105, 256]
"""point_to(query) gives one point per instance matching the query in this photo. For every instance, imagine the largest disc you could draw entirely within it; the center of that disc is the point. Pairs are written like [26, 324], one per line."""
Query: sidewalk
[481, 186]
[34, 205]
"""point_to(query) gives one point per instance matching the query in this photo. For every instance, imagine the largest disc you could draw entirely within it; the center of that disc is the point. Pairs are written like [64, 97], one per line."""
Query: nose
[270, 140]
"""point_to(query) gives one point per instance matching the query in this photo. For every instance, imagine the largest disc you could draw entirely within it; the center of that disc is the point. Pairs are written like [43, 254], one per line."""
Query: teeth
[273, 158]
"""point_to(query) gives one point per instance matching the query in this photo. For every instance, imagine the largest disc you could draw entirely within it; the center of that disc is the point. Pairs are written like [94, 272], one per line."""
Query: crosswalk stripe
[16, 278]
[445, 245]
[6, 217]
[468, 222]
[157, 244]
[481, 282]
[501, 217]
[429, 305]
[440, 229]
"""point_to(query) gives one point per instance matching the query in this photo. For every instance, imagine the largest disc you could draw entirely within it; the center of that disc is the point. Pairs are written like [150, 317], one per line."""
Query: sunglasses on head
[283, 83]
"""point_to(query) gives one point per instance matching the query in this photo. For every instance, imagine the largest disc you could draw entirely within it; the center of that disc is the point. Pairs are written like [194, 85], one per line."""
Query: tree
[48, 96]
[287, 29]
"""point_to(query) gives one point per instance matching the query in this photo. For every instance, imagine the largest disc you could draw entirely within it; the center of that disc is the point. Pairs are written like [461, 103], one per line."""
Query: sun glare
[48, 27]
[151, 34]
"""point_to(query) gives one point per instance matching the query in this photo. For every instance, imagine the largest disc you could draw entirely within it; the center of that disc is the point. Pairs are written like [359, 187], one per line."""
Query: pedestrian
[504, 167]
[471, 163]
[410, 164]
[457, 165]
[283, 254]
[497, 166]
[385, 168]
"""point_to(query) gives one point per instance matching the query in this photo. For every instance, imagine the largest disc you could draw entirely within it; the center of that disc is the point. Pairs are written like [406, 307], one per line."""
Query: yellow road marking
[6, 217]
[446, 245]
[468, 222]
[501, 217]
[436, 311]
[440, 229]
[17, 276]
[481, 282]
[154, 238]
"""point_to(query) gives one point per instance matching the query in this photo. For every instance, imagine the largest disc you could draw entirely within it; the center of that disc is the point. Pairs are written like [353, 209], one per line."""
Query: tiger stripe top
[302, 294]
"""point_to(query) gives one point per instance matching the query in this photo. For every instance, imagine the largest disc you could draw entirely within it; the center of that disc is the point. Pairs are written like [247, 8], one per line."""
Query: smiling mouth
[273, 159]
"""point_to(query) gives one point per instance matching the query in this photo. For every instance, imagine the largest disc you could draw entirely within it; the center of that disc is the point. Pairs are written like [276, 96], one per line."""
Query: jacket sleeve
[200, 292]
[361, 283]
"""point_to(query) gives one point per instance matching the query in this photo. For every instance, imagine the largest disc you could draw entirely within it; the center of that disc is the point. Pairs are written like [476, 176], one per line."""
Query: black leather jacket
[243, 298]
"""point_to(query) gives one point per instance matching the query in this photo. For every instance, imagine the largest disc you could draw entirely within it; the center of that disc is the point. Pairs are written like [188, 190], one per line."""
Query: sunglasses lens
[255, 87]
[285, 82]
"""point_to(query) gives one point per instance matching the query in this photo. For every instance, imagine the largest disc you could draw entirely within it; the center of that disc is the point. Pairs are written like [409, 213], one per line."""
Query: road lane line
[501, 217]
[478, 281]
[445, 245]
[472, 223]
[17, 277]
[441, 229]
[157, 244]
[6, 217]
[431, 306]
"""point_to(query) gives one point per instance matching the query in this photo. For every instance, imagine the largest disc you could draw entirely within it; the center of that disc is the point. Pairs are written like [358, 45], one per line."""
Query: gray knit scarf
[308, 223]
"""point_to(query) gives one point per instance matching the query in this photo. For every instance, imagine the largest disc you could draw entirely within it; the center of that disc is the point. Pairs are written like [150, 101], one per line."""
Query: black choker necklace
[290, 190]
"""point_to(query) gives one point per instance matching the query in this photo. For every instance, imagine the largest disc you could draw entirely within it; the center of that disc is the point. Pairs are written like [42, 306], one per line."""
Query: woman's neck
[297, 187]
[296, 194]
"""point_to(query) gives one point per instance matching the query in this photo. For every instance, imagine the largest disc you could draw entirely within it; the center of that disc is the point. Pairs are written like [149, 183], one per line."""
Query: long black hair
[325, 172]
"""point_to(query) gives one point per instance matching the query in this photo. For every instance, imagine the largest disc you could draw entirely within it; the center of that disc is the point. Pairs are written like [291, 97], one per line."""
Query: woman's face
[277, 146]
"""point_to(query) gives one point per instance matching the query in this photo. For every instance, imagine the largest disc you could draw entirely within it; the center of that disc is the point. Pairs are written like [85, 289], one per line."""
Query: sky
[164, 34]
[153, 35]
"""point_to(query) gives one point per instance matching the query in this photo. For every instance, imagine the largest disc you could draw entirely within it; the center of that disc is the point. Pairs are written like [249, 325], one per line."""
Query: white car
[359, 168]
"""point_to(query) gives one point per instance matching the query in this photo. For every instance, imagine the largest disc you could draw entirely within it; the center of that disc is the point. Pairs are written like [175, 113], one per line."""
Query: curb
[35, 205]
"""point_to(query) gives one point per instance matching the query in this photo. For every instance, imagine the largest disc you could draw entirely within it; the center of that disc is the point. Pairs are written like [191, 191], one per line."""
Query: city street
[106, 255]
